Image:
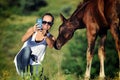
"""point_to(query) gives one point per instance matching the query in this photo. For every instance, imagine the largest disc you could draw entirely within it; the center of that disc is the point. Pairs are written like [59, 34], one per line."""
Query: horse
[97, 16]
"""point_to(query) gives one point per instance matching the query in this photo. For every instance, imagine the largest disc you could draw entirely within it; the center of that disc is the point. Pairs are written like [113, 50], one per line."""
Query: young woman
[35, 40]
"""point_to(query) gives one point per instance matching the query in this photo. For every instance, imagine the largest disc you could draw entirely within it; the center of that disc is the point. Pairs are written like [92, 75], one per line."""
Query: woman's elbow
[22, 40]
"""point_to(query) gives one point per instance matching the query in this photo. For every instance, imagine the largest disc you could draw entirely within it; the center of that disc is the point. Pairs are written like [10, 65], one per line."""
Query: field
[14, 26]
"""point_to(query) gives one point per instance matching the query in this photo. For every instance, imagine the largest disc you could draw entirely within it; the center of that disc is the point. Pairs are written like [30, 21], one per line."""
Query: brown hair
[49, 14]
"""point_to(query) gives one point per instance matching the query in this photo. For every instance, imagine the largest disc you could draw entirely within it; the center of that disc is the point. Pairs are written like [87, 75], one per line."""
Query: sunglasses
[49, 23]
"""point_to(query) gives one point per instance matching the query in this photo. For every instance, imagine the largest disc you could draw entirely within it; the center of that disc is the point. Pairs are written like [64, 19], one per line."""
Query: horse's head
[66, 31]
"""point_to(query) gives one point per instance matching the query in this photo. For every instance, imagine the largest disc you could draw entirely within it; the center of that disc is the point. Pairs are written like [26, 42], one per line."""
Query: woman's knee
[27, 52]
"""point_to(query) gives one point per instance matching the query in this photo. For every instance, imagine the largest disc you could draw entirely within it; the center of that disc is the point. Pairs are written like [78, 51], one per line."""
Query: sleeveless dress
[38, 49]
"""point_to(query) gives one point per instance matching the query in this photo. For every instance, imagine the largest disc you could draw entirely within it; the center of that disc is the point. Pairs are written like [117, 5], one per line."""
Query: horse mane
[80, 7]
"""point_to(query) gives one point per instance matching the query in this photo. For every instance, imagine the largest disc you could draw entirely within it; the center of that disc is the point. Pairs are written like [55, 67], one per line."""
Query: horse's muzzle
[57, 45]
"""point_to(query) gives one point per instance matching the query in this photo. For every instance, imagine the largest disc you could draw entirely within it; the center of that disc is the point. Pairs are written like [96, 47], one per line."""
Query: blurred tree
[6, 7]
[31, 5]
[9, 7]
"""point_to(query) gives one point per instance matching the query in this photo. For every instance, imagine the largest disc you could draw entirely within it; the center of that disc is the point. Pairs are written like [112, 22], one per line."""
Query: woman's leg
[23, 59]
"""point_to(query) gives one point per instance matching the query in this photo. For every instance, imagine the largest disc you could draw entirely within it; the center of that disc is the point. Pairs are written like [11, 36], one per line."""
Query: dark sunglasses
[49, 23]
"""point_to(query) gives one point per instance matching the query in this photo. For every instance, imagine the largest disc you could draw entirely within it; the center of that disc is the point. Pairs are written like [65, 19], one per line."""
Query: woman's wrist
[33, 30]
[45, 37]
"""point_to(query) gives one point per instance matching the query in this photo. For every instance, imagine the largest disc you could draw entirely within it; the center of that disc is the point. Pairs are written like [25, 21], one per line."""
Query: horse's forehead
[67, 23]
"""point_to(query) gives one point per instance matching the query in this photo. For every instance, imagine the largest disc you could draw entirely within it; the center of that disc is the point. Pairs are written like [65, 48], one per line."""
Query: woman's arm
[50, 41]
[28, 34]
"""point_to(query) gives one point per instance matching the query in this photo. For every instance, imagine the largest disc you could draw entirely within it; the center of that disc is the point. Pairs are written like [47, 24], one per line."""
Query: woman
[35, 40]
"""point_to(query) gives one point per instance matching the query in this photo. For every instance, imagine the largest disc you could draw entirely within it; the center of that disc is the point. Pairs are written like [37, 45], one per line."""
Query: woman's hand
[40, 35]
[36, 28]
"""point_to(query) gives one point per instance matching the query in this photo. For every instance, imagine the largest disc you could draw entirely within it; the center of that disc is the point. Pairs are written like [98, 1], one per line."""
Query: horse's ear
[62, 17]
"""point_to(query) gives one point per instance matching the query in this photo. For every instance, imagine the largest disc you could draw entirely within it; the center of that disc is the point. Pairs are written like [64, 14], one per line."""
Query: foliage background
[16, 16]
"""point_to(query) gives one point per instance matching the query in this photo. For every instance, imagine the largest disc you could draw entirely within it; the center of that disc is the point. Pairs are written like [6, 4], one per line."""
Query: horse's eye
[66, 35]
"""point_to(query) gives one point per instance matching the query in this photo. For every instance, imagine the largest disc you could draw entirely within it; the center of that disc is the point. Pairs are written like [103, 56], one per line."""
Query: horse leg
[114, 29]
[89, 57]
[91, 35]
[113, 19]
[101, 54]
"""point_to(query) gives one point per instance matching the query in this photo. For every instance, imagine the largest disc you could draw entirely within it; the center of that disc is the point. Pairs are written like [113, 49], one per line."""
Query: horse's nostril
[56, 45]
[59, 46]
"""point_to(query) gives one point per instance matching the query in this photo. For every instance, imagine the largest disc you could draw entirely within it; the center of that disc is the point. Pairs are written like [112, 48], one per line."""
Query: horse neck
[77, 20]
[79, 14]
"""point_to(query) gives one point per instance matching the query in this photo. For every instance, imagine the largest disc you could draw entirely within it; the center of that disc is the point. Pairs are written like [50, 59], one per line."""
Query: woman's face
[47, 22]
